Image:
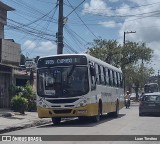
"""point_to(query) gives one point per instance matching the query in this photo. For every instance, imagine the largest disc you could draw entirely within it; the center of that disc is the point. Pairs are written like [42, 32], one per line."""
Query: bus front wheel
[56, 120]
[97, 117]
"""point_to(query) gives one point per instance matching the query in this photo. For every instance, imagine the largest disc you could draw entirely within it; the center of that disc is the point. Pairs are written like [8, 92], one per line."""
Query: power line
[74, 8]
[84, 23]
[47, 24]
[70, 47]
[77, 42]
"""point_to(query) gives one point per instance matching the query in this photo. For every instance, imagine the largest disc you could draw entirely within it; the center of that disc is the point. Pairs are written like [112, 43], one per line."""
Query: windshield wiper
[71, 71]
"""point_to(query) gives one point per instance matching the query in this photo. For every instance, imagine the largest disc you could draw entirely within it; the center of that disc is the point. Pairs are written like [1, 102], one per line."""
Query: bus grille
[57, 101]
[62, 111]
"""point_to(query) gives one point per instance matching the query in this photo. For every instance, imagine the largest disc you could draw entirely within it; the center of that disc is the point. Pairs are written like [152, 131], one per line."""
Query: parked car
[133, 96]
[149, 104]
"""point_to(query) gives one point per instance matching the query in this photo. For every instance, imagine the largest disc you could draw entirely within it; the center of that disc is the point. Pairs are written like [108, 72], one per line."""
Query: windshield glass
[68, 81]
[151, 88]
[153, 98]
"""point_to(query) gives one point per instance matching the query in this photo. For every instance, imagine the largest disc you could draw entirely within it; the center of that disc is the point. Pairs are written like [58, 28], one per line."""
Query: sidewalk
[10, 121]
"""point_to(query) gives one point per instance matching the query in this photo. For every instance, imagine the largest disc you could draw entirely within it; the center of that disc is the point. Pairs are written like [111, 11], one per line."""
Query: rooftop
[6, 7]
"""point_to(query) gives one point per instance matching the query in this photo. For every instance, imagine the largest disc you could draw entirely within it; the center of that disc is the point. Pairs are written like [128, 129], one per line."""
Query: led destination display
[62, 60]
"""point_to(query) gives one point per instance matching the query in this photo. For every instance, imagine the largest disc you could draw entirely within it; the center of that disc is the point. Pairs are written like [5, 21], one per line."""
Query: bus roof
[89, 57]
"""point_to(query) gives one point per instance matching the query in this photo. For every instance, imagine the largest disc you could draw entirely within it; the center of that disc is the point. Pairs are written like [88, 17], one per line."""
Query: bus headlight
[82, 103]
[42, 104]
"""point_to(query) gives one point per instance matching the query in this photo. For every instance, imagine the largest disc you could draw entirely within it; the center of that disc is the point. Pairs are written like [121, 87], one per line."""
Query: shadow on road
[87, 122]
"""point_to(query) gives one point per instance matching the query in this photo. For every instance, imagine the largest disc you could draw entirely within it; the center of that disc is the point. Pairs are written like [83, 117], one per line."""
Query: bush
[19, 103]
[15, 90]
[25, 92]
[32, 106]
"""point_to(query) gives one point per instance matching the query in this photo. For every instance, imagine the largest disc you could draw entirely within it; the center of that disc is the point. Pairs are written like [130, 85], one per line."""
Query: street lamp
[127, 32]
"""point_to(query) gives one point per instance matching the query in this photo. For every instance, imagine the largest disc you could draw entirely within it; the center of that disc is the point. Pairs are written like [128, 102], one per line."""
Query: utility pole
[59, 34]
[124, 42]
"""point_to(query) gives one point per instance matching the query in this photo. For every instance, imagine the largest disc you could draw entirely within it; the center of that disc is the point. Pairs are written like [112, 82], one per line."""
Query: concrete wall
[10, 52]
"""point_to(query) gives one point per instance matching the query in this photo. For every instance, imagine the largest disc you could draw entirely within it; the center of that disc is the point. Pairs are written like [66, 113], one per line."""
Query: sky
[34, 23]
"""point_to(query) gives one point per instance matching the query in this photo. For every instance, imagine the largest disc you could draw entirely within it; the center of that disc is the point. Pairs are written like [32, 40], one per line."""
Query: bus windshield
[68, 81]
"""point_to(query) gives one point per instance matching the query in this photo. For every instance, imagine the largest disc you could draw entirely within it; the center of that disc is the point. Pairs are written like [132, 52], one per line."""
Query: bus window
[118, 79]
[115, 79]
[97, 73]
[121, 80]
[93, 77]
[110, 77]
[113, 76]
[102, 75]
[107, 77]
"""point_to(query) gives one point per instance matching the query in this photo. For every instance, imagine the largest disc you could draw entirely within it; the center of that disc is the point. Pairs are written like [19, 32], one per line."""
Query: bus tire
[56, 120]
[116, 113]
[97, 117]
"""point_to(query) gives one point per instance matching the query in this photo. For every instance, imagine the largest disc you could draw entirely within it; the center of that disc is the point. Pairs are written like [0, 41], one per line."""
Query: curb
[23, 126]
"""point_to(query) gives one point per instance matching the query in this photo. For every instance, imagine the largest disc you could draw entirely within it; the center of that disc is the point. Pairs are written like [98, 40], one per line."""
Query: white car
[133, 96]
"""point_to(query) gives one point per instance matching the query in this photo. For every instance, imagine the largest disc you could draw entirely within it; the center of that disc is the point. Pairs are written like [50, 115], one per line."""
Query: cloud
[46, 48]
[29, 44]
[109, 24]
[47, 45]
[113, 1]
[123, 10]
[156, 55]
[97, 7]
[146, 23]
[40, 48]
[131, 15]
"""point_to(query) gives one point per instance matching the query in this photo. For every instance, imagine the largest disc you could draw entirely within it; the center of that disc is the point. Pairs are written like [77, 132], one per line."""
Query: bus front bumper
[88, 110]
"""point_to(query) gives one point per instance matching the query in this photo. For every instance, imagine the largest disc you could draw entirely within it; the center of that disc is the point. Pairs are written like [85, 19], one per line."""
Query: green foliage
[31, 96]
[19, 103]
[106, 50]
[15, 90]
[127, 57]
[27, 93]
[137, 75]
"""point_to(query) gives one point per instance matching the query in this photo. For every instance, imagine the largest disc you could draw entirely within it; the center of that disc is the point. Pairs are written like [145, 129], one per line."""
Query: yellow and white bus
[77, 85]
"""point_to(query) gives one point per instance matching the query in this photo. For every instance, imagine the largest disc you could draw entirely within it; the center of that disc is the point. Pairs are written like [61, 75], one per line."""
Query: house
[10, 52]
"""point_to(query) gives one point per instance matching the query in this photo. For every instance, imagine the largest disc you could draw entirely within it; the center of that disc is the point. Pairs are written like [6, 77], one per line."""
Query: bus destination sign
[62, 60]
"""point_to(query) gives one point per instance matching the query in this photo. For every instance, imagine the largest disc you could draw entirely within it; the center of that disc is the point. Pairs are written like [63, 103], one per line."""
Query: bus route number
[48, 62]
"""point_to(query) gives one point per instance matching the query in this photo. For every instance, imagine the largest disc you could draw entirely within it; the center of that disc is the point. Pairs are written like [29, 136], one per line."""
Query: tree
[125, 57]
[137, 75]
[106, 50]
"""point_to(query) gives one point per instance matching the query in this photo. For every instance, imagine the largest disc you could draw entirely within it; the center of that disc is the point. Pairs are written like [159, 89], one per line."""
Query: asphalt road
[127, 124]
